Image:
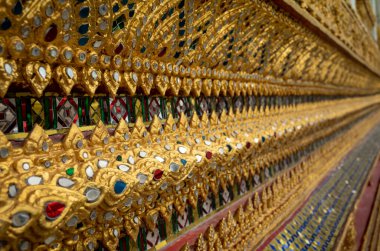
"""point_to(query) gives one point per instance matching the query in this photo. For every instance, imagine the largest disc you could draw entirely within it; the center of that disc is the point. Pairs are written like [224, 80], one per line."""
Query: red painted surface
[366, 203]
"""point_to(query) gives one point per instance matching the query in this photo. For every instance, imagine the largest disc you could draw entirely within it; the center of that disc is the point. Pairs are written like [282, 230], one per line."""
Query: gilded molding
[41, 49]
[120, 181]
[252, 223]
[124, 122]
[347, 25]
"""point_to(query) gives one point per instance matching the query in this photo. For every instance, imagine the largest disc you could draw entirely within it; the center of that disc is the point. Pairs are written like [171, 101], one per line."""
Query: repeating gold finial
[139, 129]
[170, 125]
[183, 122]
[195, 122]
[74, 138]
[37, 141]
[122, 132]
[186, 247]
[200, 244]
[100, 135]
[211, 237]
[156, 126]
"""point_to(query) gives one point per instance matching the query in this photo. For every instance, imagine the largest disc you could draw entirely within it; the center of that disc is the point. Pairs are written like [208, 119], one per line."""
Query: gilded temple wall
[186, 124]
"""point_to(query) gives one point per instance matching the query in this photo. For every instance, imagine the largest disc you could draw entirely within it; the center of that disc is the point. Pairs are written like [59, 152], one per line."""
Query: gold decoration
[98, 184]
[272, 48]
[247, 231]
[101, 160]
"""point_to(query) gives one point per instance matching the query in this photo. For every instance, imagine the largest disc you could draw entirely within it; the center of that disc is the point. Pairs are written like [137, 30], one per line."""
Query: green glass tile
[19, 115]
[124, 244]
[199, 208]
[29, 114]
[141, 238]
[54, 113]
[145, 108]
[162, 228]
[102, 112]
[174, 221]
[163, 107]
[47, 101]
[190, 214]
[70, 171]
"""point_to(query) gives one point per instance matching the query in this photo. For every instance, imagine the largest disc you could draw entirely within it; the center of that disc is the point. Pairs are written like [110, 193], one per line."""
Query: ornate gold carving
[71, 191]
[271, 51]
[109, 181]
[243, 230]
[351, 26]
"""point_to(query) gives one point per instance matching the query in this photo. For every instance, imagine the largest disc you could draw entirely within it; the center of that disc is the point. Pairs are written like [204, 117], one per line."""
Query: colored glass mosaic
[317, 224]
[21, 113]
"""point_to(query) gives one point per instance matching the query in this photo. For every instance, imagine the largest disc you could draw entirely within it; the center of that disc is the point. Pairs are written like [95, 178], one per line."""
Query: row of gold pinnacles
[26, 60]
[165, 78]
[250, 224]
[113, 182]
